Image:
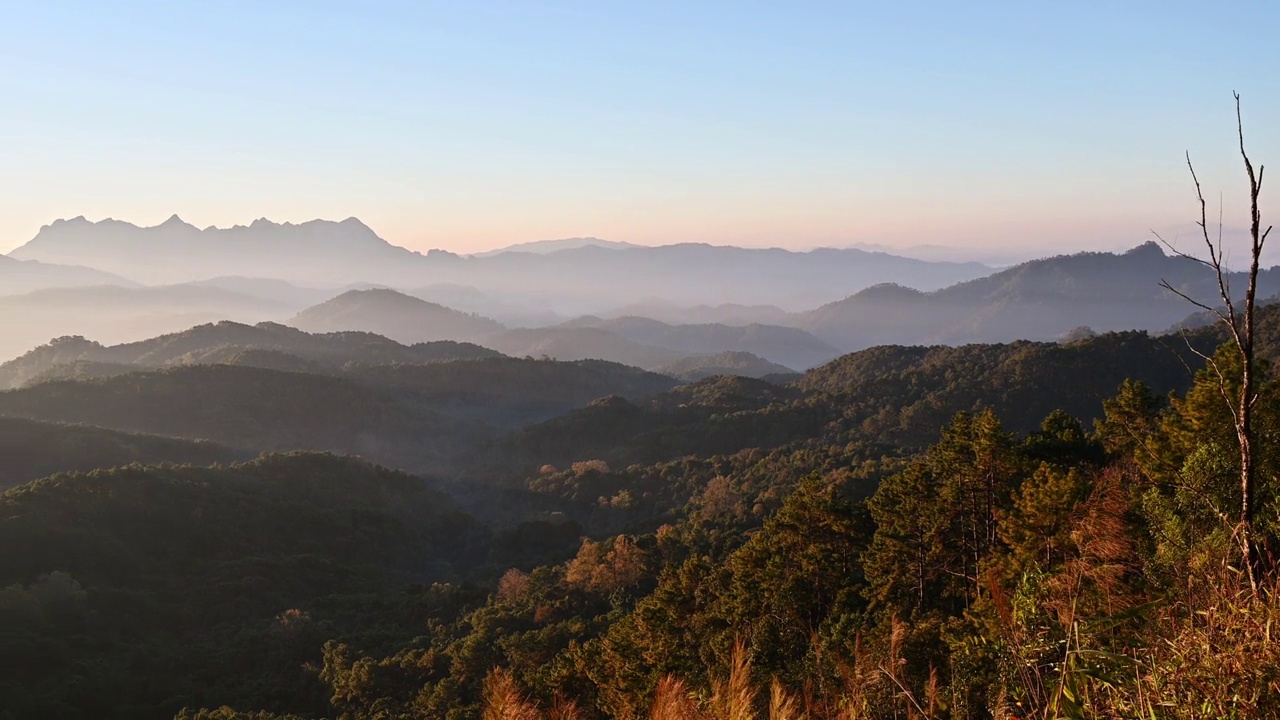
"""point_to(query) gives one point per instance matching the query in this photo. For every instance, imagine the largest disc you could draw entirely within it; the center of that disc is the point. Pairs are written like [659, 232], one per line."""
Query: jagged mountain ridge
[577, 280]
[175, 251]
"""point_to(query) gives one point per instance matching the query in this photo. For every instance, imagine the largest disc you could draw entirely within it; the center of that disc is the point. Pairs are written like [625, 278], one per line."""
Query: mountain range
[1038, 300]
[574, 277]
[581, 298]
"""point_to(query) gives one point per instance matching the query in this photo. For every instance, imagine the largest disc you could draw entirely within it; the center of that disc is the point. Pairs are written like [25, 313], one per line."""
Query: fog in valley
[112, 282]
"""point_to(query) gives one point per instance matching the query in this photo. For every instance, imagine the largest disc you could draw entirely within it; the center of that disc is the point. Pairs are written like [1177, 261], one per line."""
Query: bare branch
[1182, 332]
[1165, 284]
[1179, 253]
[1215, 252]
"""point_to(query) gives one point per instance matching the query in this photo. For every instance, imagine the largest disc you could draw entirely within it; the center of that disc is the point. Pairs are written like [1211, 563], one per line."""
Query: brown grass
[673, 701]
[735, 697]
[503, 701]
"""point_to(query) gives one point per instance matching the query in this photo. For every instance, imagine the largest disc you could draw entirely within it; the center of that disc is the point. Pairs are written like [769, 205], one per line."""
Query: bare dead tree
[1239, 324]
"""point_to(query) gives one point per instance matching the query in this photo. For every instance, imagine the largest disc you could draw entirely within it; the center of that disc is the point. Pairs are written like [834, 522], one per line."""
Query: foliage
[905, 533]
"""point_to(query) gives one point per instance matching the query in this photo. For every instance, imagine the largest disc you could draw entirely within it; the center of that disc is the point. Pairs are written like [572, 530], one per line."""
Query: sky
[1014, 127]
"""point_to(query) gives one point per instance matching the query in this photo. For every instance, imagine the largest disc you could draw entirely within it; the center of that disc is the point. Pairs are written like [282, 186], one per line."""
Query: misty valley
[295, 471]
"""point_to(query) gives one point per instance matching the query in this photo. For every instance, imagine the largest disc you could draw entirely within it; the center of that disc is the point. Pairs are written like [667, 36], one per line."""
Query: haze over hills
[744, 364]
[570, 343]
[22, 276]
[279, 291]
[726, 314]
[220, 342]
[547, 246]
[255, 409]
[394, 315]
[1038, 300]
[418, 417]
[112, 314]
[580, 278]
[509, 309]
[783, 345]
[633, 341]
[1042, 299]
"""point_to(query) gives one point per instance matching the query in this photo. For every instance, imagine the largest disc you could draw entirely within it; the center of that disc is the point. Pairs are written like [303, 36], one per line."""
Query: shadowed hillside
[511, 391]
[254, 409]
[420, 417]
[230, 579]
[33, 450]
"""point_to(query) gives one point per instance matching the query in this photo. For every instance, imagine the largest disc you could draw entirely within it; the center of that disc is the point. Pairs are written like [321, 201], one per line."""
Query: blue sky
[472, 125]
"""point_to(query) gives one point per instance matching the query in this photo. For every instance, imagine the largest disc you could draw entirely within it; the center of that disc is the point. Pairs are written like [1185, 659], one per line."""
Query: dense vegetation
[1067, 572]
[132, 592]
[418, 417]
[996, 531]
[32, 450]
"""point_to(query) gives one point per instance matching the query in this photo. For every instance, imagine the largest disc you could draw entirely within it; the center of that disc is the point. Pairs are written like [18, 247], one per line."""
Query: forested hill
[905, 394]
[580, 514]
[32, 450]
[131, 593]
[215, 342]
[255, 409]
[897, 396]
[418, 417]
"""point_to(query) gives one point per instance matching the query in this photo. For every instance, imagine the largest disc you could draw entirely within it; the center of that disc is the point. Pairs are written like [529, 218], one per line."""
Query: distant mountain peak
[889, 291]
[543, 247]
[393, 314]
[1150, 248]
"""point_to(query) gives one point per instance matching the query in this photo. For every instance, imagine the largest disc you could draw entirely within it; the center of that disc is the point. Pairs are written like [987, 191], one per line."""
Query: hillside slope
[1039, 300]
[394, 315]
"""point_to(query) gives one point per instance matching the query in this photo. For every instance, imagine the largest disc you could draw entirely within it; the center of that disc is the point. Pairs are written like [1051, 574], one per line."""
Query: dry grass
[735, 697]
[564, 709]
[782, 705]
[673, 701]
[1212, 652]
[1221, 658]
[503, 700]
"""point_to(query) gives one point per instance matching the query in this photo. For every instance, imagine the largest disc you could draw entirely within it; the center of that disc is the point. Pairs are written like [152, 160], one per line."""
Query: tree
[1239, 325]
